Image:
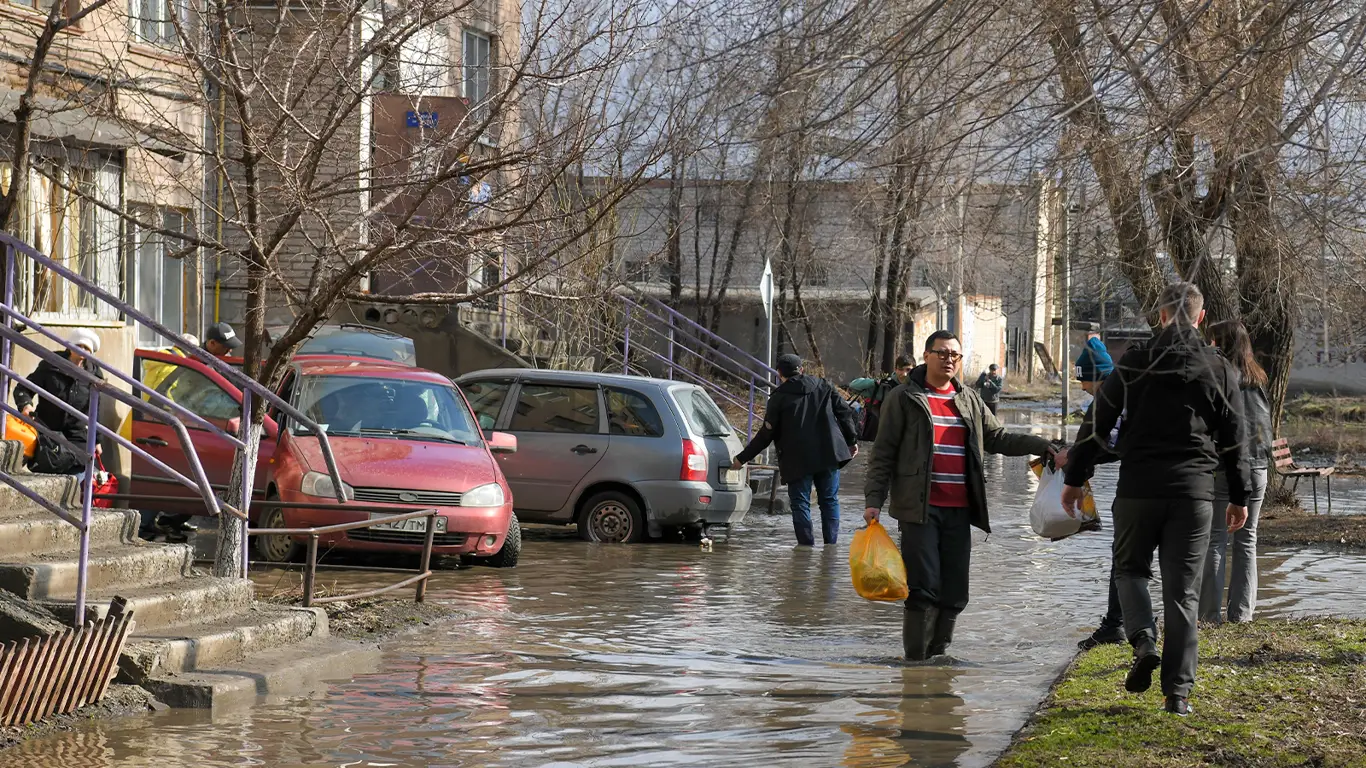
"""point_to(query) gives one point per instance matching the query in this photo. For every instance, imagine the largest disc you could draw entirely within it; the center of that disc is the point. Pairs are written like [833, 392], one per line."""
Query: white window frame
[471, 42]
[160, 247]
[152, 21]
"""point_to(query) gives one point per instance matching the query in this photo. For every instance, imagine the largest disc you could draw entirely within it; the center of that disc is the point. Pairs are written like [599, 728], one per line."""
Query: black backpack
[872, 409]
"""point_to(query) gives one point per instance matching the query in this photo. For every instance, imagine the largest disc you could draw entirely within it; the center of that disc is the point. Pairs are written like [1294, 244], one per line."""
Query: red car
[401, 435]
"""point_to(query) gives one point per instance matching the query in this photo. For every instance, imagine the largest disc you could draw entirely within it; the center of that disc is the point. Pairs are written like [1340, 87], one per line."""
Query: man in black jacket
[816, 435]
[1182, 417]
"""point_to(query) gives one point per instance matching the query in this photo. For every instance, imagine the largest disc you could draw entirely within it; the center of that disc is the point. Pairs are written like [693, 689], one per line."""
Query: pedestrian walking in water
[989, 386]
[1232, 339]
[816, 434]
[1092, 368]
[1183, 416]
[928, 460]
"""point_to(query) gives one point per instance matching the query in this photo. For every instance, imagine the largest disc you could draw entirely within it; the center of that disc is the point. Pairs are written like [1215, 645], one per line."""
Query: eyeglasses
[947, 354]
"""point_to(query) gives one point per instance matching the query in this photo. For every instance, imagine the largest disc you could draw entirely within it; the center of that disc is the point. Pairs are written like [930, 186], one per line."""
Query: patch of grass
[1275, 693]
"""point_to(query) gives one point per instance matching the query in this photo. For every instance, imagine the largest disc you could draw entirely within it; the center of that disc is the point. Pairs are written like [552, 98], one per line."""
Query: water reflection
[756, 654]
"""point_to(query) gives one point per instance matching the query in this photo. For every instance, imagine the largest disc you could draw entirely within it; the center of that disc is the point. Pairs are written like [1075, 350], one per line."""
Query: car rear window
[359, 342]
[701, 413]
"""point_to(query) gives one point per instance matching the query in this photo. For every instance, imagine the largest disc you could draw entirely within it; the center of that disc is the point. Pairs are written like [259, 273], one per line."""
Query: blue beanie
[1094, 363]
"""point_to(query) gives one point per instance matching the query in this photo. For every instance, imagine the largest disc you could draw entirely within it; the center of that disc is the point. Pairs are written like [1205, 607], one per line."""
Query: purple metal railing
[154, 404]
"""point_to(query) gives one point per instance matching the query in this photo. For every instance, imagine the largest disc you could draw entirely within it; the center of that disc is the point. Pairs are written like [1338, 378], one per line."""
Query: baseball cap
[788, 364]
[223, 334]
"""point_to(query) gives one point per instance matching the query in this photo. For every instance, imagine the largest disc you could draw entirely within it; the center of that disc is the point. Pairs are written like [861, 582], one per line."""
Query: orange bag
[16, 429]
[879, 573]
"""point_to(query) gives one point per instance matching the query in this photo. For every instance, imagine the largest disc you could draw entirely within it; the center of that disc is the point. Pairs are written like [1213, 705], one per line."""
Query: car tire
[511, 551]
[275, 549]
[612, 517]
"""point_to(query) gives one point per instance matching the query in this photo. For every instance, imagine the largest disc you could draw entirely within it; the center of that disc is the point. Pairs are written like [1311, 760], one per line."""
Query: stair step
[292, 671]
[134, 564]
[33, 531]
[203, 645]
[197, 598]
[58, 489]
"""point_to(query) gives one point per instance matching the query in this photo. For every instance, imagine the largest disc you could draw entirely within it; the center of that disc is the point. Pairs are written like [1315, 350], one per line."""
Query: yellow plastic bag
[21, 431]
[879, 573]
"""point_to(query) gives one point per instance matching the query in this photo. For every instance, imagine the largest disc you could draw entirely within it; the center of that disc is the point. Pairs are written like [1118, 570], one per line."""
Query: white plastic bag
[1048, 518]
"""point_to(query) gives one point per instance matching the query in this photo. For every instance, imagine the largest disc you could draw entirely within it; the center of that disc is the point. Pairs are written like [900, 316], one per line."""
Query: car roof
[339, 365]
[585, 377]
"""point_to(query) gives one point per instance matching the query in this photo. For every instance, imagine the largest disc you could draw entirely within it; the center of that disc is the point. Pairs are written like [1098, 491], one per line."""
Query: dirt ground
[119, 701]
[1283, 526]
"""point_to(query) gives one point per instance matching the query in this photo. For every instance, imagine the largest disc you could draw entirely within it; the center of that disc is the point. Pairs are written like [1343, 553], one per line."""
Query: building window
[159, 272]
[153, 20]
[485, 270]
[817, 273]
[478, 72]
[70, 214]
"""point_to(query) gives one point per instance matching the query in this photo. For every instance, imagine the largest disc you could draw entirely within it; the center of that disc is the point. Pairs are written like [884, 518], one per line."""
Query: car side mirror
[502, 442]
[234, 425]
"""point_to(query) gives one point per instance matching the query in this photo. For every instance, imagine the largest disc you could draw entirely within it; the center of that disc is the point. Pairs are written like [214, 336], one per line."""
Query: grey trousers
[1242, 576]
[1179, 530]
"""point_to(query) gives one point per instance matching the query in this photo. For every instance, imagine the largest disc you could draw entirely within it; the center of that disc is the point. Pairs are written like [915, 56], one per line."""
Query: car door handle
[583, 449]
[153, 441]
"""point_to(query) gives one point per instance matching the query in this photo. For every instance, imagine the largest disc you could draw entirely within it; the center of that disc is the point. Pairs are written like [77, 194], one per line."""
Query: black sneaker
[1140, 676]
[1179, 705]
[172, 534]
[1103, 636]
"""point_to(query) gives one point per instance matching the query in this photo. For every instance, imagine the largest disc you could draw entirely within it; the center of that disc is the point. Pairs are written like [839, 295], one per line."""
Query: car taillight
[694, 463]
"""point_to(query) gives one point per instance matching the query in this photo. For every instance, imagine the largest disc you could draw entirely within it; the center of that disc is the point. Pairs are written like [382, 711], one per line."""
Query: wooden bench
[1285, 467]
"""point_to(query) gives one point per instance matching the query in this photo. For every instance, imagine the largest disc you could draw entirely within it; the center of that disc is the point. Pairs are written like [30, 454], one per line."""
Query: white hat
[84, 337]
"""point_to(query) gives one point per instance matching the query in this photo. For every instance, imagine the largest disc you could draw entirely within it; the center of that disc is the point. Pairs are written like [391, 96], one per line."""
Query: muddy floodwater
[754, 654]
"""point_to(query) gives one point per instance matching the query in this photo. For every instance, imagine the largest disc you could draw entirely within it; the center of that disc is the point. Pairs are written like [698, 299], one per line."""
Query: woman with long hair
[1233, 341]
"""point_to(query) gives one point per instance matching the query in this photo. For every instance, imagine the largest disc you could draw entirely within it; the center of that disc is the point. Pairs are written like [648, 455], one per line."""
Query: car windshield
[360, 342]
[703, 416]
[396, 408]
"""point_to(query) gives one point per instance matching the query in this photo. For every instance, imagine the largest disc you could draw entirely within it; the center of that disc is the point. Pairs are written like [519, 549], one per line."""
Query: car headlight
[319, 484]
[490, 495]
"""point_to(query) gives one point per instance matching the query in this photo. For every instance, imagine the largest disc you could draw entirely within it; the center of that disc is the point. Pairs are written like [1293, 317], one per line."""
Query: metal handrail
[772, 372]
[764, 372]
[239, 378]
[311, 567]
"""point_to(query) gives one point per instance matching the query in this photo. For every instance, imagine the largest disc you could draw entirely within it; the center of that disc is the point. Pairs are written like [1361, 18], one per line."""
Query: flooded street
[754, 654]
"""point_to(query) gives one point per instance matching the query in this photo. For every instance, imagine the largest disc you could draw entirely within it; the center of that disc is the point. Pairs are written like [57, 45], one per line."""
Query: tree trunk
[228, 558]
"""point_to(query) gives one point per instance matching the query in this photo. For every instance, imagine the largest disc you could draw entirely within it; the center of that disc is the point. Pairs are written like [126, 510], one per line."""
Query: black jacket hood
[800, 384]
[1178, 352]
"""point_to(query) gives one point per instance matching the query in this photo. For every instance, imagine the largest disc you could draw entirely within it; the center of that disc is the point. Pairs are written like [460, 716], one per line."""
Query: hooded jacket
[1183, 418]
[900, 466]
[812, 426]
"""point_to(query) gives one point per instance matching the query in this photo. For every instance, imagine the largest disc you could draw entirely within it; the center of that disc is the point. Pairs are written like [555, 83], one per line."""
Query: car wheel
[511, 552]
[275, 549]
[612, 518]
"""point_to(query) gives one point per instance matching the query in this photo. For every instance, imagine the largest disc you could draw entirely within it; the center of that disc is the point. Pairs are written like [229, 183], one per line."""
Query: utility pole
[1065, 359]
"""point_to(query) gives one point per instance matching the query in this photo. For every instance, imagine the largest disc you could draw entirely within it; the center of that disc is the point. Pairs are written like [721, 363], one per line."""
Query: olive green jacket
[900, 464]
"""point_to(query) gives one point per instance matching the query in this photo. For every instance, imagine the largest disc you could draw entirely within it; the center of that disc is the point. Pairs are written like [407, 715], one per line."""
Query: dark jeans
[937, 554]
[1179, 530]
[827, 493]
[992, 405]
[1114, 613]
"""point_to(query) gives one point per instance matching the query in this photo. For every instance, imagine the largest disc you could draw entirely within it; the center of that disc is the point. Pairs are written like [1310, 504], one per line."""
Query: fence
[61, 673]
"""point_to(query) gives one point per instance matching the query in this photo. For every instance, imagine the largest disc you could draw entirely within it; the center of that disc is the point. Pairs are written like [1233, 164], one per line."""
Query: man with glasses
[928, 459]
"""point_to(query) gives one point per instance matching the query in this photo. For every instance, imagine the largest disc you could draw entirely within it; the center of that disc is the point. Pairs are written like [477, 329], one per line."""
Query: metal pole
[502, 296]
[1064, 363]
[426, 557]
[671, 349]
[247, 477]
[626, 344]
[87, 490]
[749, 414]
[311, 570]
[6, 350]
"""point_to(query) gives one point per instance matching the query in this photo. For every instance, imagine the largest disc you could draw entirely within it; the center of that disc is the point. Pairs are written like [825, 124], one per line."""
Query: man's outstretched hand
[1237, 517]
[1071, 499]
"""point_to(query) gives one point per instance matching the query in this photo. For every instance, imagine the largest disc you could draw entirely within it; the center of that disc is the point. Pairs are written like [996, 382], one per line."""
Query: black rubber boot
[942, 635]
[915, 632]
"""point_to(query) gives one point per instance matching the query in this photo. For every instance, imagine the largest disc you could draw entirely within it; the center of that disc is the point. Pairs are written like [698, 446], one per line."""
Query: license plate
[732, 477]
[415, 525]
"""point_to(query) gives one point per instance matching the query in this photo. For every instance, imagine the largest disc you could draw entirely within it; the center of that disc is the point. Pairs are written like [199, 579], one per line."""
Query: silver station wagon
[623, 457]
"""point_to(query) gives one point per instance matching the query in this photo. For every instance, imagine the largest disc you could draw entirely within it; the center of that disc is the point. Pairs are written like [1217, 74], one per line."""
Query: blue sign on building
[421, 119]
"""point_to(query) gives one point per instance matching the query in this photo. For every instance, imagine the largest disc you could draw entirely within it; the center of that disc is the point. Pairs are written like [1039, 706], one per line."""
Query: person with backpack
[874, 393]
[814, 431]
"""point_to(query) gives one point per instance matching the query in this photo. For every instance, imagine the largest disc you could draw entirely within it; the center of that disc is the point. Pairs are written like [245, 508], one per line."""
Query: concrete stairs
[199, 640]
